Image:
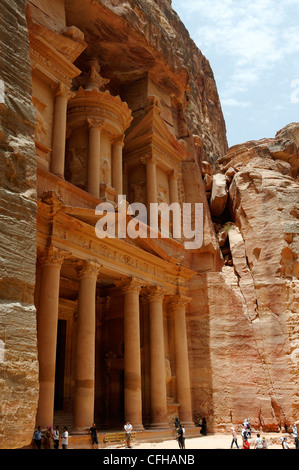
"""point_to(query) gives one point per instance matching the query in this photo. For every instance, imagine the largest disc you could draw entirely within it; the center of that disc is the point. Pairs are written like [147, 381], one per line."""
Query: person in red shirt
[245, 443]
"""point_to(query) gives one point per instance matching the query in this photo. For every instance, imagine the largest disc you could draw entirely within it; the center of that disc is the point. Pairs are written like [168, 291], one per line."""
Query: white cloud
[252, 36]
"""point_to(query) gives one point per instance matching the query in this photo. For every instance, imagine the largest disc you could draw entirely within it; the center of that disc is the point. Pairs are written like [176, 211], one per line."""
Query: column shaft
[59, 130]
[117, 166]
[173, 188]
[157, 361]
[47, 320]
[178, 307]
[85, 350]
[94, 158]
[132, 362]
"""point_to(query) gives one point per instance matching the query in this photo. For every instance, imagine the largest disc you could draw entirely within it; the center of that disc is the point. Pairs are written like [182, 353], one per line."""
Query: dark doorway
[60, 365]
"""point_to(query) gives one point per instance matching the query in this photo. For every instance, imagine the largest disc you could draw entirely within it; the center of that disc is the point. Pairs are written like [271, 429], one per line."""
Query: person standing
[94, 436]
[128, 430]
[180, 435]
[65, 438]
[235, 439]
[49, 438]
[265, 443]
[245, 443]
[284, 443]
[37, 437]
[258, 442]
[184, 437]
[56, 437]
[295, 436]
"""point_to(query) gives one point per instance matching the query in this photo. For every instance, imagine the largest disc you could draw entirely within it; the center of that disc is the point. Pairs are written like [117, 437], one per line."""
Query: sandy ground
[213, 441]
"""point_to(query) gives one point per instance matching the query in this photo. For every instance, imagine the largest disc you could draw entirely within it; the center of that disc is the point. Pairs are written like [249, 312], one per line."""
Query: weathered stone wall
[19, 365]
[247, 323]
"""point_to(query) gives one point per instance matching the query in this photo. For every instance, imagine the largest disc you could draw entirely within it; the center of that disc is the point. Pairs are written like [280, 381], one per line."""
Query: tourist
[128, 430]
[265, 443]
[245, 443]
[245, 432]
[56, 437]
[284, 443]
[258, 442]
[176, 423]
[184, 437]
[235, 439]
[204, 427]
[180, 436]
[94, 436]
[37, 437]
[49, 438]
[295, 436]
[65, 438]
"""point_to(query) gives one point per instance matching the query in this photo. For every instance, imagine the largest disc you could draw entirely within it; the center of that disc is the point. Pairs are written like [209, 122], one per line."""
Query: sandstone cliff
[19, 366]
[251, 306]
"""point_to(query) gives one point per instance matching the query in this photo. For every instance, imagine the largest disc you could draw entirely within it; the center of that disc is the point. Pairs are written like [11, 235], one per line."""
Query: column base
[188, 424]
[80, 430]
[159, 426]
[138, 427]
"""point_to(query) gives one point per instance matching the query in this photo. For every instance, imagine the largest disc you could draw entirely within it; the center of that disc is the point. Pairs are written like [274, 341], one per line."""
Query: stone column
[94, 157]
[178, 307]
[117, 165]
[85, 347]
[62, 95]
[151, 180]
[157, 359]
[132, 362]
[173, 187]
[47, 320]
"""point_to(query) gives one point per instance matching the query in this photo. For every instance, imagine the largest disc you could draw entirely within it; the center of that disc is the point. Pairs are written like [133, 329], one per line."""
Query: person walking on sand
[284, 443]
[265, 443]
[235, 439]
[128, 430]
[93, 431]
[295, 436]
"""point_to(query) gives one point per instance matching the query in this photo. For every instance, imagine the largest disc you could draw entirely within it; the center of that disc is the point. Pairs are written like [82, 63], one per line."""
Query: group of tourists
[260, 442]
[52, 437]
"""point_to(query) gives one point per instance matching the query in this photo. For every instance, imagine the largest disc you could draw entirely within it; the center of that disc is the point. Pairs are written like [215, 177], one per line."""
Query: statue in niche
[138, 192]
[162, 195]
[77, 165]
[106, 172]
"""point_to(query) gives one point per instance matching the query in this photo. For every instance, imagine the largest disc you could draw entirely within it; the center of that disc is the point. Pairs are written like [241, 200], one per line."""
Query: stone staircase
[63, 418]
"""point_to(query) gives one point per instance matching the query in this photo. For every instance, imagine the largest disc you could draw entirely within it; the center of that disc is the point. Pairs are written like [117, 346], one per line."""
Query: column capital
[173, 174]
[52, 256]
[118, 140]
[149, 159]
[87, 269]
[129, 285]
[155, 293]
[62, 90]
[179, 301]
[97, 123]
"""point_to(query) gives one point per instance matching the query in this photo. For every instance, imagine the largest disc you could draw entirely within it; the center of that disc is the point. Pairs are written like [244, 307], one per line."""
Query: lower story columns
[157, 359]
[132, 361]
[47, 318]
[178, 307]
[85, 350]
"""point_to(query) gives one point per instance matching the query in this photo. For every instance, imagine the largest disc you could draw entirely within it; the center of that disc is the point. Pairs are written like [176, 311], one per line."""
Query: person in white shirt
[259, 442]
[65, 438]
[56, 437]
[128, 429]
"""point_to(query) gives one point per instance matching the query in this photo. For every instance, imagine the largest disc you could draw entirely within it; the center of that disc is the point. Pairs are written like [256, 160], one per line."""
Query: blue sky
[253, 49]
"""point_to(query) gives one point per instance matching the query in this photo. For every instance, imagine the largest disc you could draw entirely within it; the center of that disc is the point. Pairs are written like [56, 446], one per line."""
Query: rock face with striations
[18, 349]
[259, 333]
[243, 331]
